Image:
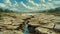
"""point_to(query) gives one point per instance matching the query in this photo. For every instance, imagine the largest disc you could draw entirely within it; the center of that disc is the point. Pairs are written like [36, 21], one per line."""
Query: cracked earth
[38, 23]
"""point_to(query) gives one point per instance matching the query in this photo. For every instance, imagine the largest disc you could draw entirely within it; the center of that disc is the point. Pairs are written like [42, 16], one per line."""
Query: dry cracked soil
[38, 23]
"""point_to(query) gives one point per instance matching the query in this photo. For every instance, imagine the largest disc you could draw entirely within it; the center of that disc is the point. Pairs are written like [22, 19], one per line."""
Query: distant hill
[5, 10]
[55, 11]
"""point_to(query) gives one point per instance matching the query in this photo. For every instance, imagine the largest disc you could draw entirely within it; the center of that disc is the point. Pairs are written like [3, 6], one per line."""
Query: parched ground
[38, 23]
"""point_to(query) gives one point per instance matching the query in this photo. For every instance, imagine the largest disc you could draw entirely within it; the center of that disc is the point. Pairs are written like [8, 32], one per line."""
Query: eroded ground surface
[38, 23]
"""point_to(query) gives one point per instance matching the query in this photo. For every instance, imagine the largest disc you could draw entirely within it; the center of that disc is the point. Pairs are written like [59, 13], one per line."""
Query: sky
[29, 5]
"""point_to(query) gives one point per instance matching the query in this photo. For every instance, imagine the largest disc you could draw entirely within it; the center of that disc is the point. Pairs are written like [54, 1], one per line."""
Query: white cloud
[37, 6]
[2, 5]
[56, 2]
[49, 6]
[7, 1]
[45, 0]
[14, 9]
[23, 4]
[32, 2]
[44, 5]
[7, 4]
[16, 4]
[28, 7]
[49, 0]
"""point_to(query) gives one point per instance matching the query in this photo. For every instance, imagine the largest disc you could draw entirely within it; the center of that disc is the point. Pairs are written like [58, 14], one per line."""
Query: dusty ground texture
[38, 23]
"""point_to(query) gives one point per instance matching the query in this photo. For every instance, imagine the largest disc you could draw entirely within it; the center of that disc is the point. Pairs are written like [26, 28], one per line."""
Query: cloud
[2, 5]
[9, 5]
[56, 2]
[49, 0]
[44, 5]
[38, 7]
[49, 6]
[15, 9]
[28, 7]
[52, 4]
[32, 2]
[15, 5]
[7, 1]
[32, 6]
[45, 0]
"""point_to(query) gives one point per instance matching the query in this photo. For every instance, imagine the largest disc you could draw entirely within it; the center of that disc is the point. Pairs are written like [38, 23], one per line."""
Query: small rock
[50, 25]
[44, 31]
[1, 32]
[7, 20]
[8, 32]
[45, 21]
[18, 32]
[26, 16]
[17, 22]
[57, 26]
[11, 27]
[34, 22]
